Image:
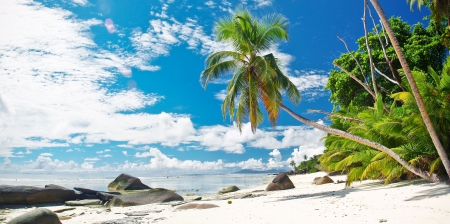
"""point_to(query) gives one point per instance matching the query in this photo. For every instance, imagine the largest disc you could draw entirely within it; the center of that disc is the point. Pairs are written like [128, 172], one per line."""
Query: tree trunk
[415, 90]
[377, 146]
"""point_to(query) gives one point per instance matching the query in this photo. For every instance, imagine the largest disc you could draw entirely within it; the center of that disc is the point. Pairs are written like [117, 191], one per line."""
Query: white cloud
[106, 156]
[310, 83]
[81, 2]
[158, 162]
[221, 95]
[210, 4]
[230, 140]
[125, 153]
[6, 163]
[69, 150]
[46, 154]
[84, 110]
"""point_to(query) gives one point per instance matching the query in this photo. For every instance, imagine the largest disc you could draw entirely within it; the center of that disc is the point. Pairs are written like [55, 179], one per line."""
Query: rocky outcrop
[156, 195]
[84, 202]
[28, 195]
[280, 182]
[229, 189]
[322, 180]
[195, 206]
[37, 216]
[94, 194]
[127, 182]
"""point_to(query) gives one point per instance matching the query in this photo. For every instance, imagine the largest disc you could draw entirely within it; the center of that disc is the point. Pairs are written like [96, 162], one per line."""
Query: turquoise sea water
[202, 185]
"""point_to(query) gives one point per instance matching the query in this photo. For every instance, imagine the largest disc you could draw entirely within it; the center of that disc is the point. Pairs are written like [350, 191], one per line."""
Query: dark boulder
[28, 195]
[229, 189]
[84, 202]
[86, 191]
[37, 216]
[156, 195]
[322, 180]
[335, 173]
[127, 182]
[105, 196]
[280, 182]
[94, 194]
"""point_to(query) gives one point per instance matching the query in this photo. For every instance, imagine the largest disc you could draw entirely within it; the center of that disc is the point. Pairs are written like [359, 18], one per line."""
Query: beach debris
[189, 194]
[29, 195]
[383, 220]
[64, 209]
[322, 180]
[37, 216]
[156, 195]
[127, 182]
[137, 213]
[195, 206]
[229, 202]
[229, 189]
[125, 220]
[280, 182]
[84, 202]
[64, 217]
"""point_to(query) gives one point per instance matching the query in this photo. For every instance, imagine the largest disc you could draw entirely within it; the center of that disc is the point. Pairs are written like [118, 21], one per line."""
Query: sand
[414, 201]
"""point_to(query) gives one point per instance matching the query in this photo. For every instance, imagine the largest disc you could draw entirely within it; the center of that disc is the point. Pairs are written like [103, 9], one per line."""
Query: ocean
[201, 185]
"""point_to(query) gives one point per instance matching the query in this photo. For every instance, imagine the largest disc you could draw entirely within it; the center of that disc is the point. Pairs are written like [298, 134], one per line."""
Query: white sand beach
[414, 201]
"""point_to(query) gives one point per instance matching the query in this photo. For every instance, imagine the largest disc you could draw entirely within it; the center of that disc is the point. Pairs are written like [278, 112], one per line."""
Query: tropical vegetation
[381, 127]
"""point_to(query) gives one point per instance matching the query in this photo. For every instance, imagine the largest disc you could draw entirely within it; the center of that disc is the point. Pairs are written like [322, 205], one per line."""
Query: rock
[280, 182]
[195, 206]
[156, 195]
[28, 195]
[63, 209]
[335, 173]
[105, 196]
[84, 202]
[229, 189]
[322, 180]
[127, 182]
[85, 190]
[37, 216]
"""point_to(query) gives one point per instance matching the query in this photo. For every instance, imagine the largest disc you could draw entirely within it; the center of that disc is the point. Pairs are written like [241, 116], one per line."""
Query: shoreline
[369, 201]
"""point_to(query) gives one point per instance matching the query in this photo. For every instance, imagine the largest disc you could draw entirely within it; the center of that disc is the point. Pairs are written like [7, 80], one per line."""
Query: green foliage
[256, 78]
[312, 164]
[401, 129]
[421, 47]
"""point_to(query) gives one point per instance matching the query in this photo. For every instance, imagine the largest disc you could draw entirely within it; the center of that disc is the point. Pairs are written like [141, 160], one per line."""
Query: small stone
[383, 220]
[229, 202]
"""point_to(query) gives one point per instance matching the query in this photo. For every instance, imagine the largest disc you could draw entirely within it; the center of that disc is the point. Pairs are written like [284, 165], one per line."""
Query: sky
[103, 86]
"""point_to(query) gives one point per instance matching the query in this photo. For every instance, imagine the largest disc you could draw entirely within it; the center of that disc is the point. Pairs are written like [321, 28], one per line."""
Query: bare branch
[385, 76]
[356, 60]
[369, 51]
[366, 87]
[336, 115]
[383, 47]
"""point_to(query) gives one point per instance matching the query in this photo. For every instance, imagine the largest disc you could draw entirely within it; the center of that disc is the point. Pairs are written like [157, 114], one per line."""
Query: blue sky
[113, 86]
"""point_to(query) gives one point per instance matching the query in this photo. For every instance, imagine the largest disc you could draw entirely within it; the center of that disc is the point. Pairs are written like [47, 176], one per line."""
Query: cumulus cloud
[46, 154]
[229, 139]
[83, 107]
[158, 162]
[310, 83]
[81, 2]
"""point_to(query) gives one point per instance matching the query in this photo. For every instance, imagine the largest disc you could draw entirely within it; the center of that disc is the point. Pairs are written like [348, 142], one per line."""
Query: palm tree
[438, 8]
[293, 164]
[257, 77]
[415, 90]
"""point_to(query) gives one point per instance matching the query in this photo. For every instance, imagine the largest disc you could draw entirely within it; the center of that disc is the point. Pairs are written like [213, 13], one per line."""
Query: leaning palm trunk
[377, 146]
[415, 90]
